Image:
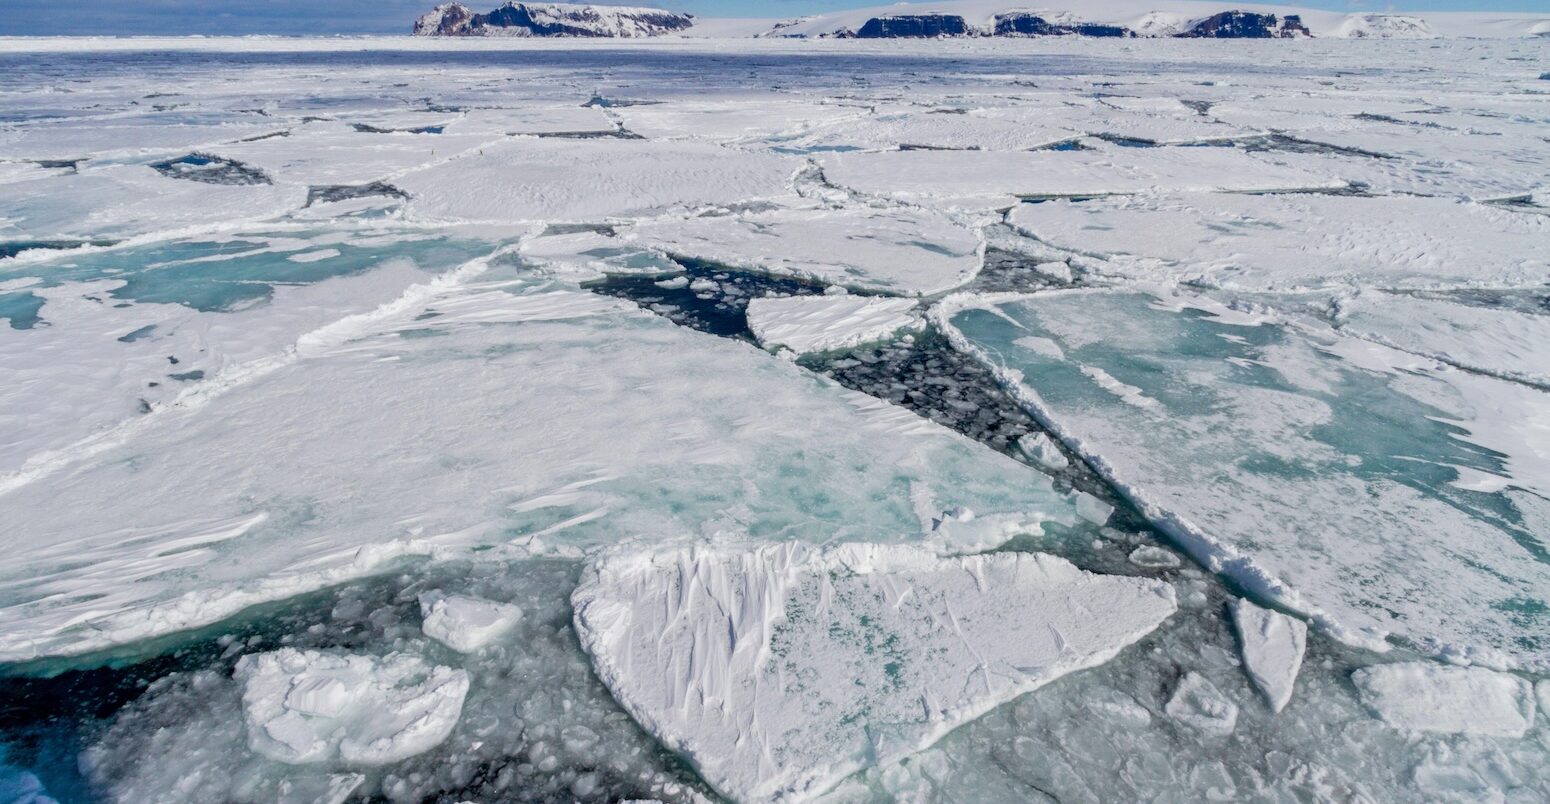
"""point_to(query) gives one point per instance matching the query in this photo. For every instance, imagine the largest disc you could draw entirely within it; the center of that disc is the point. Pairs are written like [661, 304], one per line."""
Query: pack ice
[780, 669]
[1381, 493]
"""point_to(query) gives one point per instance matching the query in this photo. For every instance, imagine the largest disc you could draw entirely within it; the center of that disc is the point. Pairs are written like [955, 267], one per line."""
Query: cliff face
[551, 19]
[1246, 25]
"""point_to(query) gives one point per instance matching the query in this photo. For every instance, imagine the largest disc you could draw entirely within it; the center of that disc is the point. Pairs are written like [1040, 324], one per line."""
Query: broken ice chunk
[825, 323]
[465, 624]
[1199, 704]
[780, 670]
[1093, 509]
[1272, 645]
[1041, 450]
[308, 706]
[1420, 696]
[1153, 557]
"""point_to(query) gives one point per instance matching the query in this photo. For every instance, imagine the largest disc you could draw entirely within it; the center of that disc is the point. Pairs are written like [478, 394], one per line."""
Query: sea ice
[1041, 450]
[1375, 491]
[1197, 703]
[1421, 696]
[1272, 645]
[309, 706]
[1503, 342]
[463, 623]
[906, 251]
[806, 324]
[779, 670]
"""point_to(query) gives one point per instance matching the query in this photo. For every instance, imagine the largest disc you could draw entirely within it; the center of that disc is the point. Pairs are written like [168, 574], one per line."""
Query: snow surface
[779, 670]
[464, 623]
[308, 706]
[1272, 644]
[806, 324]
[1464, 700]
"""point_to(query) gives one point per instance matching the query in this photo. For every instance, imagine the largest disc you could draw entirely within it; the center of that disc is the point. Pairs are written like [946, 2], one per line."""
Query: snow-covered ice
[825, 323]
[308, 706]
[1421, 696]
[781, 669]
[465, 623]
[1272, 644]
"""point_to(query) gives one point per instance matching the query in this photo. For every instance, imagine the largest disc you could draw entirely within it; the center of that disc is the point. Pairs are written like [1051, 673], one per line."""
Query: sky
[301, 17]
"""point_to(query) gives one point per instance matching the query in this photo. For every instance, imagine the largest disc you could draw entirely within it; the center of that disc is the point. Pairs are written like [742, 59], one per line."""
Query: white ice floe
[1038, 448]
[825, 323]
[1154, 557]
[335, 153]
[1282, 242]
[779, 670]
[309, 706]
[731, 120]
[463, 623]
[978, 178]
[527, 179]
[1377, 492]
[1421, 696]
[1197, 703]
[1093, 509]
[900, 250]
[1272, 645]
[1503, 342]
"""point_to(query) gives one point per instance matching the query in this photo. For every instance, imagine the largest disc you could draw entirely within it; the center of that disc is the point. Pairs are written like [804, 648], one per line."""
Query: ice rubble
[464, 623]
[1268, 457]
[1421, 696]
[526, 179]
[1198, 704]
[908, 251]
[781, 669]
[806, 324]
[1272, 644]
[309, 706]
[234, 497]
[1283, 242]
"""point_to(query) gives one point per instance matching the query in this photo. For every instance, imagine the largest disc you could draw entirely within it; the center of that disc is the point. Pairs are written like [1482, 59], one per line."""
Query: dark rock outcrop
[1247, 25]
[913, 26]
[1021, 23]
[551, 19]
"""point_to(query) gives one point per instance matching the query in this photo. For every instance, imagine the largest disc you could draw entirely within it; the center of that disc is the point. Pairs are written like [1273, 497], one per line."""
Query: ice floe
[1333, 475]
[1421, 696]
[309, 706]
[1198, 704]
[465, 623]
[1272, 644]
[779, 670]
[825, 323]
[1494, 340]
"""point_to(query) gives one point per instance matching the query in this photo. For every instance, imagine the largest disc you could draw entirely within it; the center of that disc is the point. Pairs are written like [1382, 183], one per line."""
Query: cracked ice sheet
[1379, 493]
[806, 324]
[1506, 343]
[907, 251]
[550, 420]
[1284, 242]
[123, 137]
[128, 200]
[326, 153]
[560, 179]
[730, 120]
[781, 670]
[976, 178]
[893, 126]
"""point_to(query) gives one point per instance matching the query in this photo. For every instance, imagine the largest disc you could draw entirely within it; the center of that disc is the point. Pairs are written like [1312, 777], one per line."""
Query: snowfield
[991, 418]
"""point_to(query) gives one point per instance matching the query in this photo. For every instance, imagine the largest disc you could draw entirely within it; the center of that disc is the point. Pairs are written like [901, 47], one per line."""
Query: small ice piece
[1055, 270]
[1153, 557]
[824, 323]
[1272, 645]
[674, 283]
[465, 624]
[1093, 509]
[1199, 704]
[309, 706]
[1038, 448]
[780, 670]
[1421, 696]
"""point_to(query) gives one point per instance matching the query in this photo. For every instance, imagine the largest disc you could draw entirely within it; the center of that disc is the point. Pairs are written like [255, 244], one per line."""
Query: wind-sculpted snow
[782, 669]
[1370, 489]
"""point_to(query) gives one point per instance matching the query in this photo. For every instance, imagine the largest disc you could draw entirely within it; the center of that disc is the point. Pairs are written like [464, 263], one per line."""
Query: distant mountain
[551, 19]
[1194, 19]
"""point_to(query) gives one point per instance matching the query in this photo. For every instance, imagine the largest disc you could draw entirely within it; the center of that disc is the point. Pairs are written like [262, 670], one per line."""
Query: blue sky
[395, 16]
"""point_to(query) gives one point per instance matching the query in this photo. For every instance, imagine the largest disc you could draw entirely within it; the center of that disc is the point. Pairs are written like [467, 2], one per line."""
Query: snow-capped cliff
[551, 19]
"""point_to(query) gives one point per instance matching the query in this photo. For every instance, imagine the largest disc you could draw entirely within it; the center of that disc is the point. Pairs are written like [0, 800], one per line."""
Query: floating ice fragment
[1041, 450]
[1421, 696]
[1199, 704]
[1272, 645]
[825, 323]
[778, 671]
[1154, 557]
[308, 706]
[465, 624]
[1058, 271]
[1093, 509]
